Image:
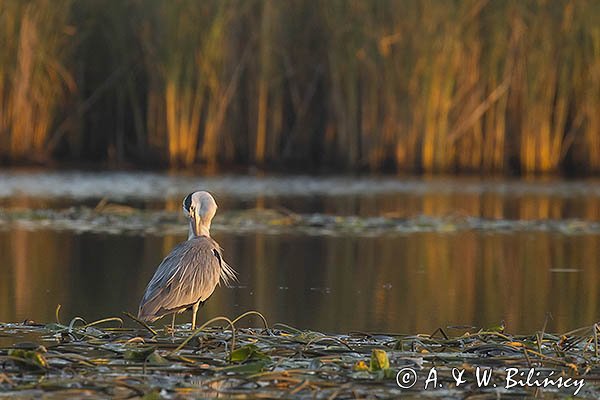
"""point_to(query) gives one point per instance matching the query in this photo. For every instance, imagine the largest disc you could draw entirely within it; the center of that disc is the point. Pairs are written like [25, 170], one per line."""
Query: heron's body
[187, 277]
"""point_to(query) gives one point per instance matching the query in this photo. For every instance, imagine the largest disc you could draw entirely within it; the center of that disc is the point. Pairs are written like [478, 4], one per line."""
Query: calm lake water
[413, 254]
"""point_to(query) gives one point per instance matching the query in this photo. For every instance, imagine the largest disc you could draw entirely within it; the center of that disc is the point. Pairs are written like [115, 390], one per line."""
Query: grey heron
[189, 274]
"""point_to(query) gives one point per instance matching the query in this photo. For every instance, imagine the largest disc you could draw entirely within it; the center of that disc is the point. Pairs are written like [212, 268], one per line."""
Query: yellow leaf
[361, 366]
[379, 360]
[515, 344]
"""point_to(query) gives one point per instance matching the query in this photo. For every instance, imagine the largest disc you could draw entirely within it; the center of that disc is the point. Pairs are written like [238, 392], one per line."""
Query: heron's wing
[228, 275]
[187, 275]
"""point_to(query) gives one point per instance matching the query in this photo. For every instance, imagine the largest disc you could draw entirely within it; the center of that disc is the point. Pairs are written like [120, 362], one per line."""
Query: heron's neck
[198, 230]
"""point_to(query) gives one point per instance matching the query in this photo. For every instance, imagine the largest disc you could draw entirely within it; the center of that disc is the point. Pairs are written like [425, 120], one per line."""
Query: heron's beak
[193, 224]
[197, 225]
[193, 231]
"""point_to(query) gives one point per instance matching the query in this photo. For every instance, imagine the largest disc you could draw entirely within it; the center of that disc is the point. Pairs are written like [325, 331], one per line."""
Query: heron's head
[200, 207]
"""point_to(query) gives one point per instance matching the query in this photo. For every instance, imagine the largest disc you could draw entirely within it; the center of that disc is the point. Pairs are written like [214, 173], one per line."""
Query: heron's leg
[173, 323]
[194, 311]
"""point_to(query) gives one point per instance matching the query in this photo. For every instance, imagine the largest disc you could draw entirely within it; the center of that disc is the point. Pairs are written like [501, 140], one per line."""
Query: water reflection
[404, 283]
[384, 196]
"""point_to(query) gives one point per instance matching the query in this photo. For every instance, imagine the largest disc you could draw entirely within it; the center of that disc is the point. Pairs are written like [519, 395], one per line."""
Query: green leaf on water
[156, 359]
[249, 368]
[500, 328]
[248, 352]
[28, 359]
[153, 395]
[389, 373]
[138, 354]
[55, 327]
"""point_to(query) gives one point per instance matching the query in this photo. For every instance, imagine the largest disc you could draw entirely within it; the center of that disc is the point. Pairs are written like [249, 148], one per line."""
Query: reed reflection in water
[414, 282]
[341, 195]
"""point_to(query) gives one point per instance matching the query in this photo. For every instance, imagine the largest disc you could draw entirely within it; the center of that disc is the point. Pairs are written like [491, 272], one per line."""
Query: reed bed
[34, 81]
[466, 85]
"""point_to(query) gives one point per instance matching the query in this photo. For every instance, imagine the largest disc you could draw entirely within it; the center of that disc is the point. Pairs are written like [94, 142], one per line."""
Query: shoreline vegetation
[346, 85]
[124, 357]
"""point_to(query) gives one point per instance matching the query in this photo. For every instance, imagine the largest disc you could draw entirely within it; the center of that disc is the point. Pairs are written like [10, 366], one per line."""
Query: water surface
[405, 279]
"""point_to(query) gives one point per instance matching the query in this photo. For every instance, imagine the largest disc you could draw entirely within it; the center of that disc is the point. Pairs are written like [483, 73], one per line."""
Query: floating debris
[106, 358]
[115, 219]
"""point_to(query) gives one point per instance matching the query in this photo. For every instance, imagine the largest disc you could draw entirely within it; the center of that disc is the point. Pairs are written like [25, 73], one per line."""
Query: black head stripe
[187, 202]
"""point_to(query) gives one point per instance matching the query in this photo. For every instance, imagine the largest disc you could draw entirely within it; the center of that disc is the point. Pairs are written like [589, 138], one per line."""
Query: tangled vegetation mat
[124, 358]
[118, 219]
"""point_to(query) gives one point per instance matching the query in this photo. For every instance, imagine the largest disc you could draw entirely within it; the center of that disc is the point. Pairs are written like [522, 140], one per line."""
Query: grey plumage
[187, 277]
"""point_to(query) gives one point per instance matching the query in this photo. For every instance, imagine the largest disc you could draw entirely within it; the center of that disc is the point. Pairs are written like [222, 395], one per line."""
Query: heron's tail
[228, 274]
[148, 313]
[144, 316]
